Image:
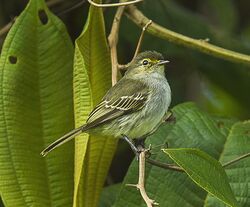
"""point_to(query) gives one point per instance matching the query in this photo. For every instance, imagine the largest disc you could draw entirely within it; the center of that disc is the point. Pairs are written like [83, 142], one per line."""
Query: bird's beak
[162, 62]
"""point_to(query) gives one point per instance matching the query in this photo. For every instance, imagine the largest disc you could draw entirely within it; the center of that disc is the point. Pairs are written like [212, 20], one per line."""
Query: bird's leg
[131, 144]
[137, 145]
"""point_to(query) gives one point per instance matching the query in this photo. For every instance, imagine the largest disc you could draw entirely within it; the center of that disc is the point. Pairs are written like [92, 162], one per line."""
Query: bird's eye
[145, 62]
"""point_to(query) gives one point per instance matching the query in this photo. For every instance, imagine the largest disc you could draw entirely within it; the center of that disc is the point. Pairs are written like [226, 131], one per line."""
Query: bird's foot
[137, 145]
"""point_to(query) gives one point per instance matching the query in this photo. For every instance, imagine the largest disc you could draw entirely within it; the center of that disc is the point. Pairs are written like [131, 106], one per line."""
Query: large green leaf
[193, 129]
[36, 108]
[92, 78]
[237, 144]
[204, 170]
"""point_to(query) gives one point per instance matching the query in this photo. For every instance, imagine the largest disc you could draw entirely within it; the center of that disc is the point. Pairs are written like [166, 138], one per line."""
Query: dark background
[219, 87]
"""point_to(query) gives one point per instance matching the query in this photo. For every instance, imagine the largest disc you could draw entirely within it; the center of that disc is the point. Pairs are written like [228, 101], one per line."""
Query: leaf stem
[236, 159]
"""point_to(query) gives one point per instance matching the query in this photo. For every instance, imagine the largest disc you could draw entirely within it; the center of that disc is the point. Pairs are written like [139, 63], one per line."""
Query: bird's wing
[119, 101]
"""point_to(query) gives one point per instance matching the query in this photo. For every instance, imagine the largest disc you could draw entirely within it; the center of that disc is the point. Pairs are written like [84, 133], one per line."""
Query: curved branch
[202, 45]
[113, 4]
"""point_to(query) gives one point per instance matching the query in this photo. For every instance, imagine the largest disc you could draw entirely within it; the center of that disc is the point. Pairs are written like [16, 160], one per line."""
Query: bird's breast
[150, 117]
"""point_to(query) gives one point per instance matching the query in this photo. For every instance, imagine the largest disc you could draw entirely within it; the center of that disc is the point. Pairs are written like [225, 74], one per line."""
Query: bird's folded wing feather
[127, 96]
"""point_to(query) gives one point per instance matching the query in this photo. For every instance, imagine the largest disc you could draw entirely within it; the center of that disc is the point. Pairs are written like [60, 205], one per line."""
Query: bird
[133, 108]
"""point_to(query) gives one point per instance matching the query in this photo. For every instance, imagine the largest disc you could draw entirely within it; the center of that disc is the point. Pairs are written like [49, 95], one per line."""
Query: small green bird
[134, 107]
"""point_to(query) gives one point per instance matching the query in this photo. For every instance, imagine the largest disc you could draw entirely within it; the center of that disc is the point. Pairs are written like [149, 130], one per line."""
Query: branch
[113, 4]
[141, 181]
[113, 40]
[203, 46]
[113, 37]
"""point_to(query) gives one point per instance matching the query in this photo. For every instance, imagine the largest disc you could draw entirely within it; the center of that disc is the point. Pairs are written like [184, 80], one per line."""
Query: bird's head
[147, 62]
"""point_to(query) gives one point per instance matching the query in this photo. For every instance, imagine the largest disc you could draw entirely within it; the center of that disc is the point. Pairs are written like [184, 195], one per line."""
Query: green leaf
[205, 171]
[35, 109]
[193, 129]
[237, 144]
[92, 78]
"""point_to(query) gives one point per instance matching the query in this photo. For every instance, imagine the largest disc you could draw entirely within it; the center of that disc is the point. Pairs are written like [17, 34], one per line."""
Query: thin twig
[203, 46]
[165, 165]
[141, 181]
[52, 3]
[113, 4]
[236, 160]
[140, 39]
[113, 40]
[138, 47]
[179, 169]
[7, 27]
[75, 6]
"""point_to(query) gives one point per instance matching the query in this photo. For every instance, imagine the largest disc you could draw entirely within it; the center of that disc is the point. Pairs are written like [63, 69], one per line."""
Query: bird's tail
[65, 138]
